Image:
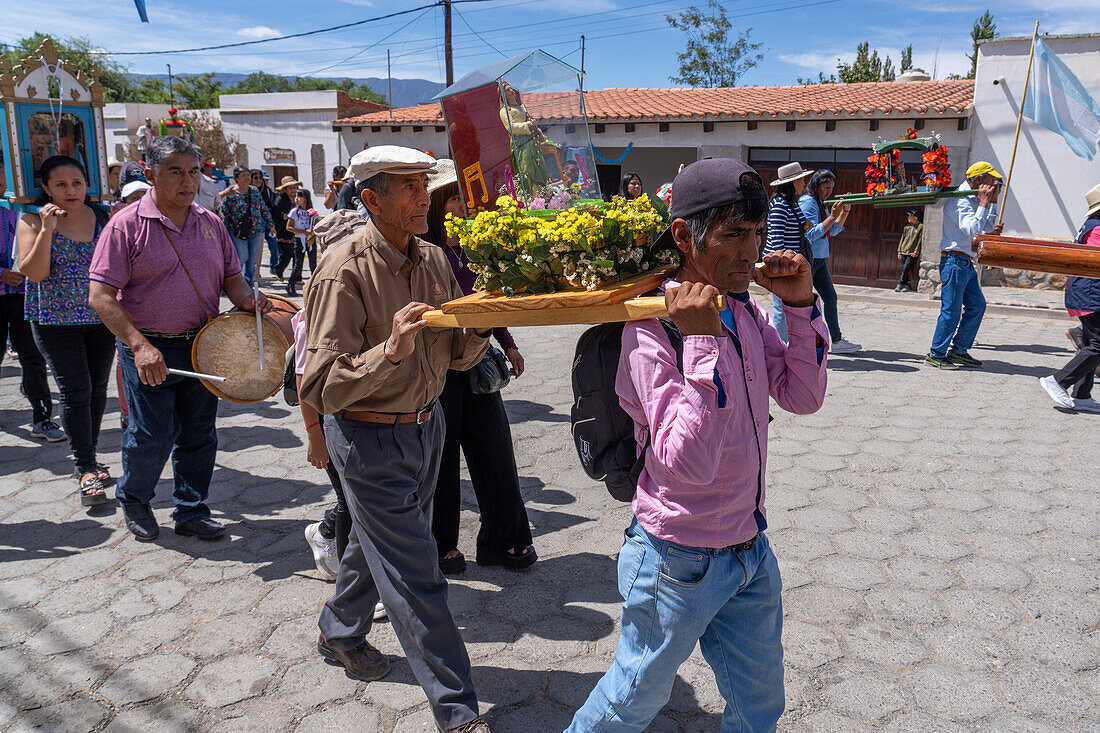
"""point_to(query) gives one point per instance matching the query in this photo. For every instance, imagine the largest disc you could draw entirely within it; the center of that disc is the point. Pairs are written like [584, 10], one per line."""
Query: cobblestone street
[938, 534]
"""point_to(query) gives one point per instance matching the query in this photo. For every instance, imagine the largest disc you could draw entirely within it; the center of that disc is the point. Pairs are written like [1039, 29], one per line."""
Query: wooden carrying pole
[1019, 119]
[1037, 254]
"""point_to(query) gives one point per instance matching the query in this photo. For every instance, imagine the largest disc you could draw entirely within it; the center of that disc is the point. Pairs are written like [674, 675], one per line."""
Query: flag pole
[1019, 119]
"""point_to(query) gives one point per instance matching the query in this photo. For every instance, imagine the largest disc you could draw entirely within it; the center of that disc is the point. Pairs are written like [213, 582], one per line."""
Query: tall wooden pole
[1019, 119]
[447, 50]
[389, 83]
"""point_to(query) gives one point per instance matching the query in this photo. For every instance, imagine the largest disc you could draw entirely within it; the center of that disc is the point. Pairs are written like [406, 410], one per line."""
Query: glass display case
[496, 119]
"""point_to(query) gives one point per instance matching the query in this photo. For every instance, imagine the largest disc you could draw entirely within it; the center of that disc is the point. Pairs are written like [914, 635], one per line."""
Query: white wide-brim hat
[790, 172]
[444, 174]
[1092, 200]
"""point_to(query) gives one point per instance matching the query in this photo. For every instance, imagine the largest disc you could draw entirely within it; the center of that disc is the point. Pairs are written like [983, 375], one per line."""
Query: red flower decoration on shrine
[172, 111]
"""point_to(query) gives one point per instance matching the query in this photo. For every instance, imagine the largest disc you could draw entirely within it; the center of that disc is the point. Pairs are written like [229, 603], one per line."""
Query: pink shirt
[298, 323]
[703, 481]
[1093, 240]
[135, 255]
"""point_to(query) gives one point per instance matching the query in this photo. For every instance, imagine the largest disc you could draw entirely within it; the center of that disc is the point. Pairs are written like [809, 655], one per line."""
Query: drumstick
[197, 375]
[259, 316]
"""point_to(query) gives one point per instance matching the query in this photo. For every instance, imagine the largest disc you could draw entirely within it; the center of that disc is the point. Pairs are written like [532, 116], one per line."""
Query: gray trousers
[389, 474]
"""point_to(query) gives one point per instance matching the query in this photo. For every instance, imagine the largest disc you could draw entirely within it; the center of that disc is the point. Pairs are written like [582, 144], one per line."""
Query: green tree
[80, 52]
[821, 79]
[150, 90]
[866, 67]
[907, 58]
[198, 91]
[261, 82]
[712, 58]
[984, 27]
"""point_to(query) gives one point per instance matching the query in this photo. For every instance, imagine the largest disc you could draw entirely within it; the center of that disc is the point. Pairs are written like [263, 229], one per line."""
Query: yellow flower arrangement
[514, 250]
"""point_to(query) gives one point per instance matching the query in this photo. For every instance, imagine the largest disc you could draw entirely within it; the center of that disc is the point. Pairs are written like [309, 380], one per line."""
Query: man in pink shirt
[158, 272]
[696, 565]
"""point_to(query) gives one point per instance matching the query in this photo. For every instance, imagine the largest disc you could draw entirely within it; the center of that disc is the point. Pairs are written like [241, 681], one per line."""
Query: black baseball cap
[708, 184]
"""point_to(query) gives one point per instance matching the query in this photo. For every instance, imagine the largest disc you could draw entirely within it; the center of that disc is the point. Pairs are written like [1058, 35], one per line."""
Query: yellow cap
[980, 168]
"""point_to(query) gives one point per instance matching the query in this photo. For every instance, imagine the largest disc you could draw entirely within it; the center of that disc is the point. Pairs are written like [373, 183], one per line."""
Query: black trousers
[35, 386]
[80, 358]
[906, 263]
[337, 520]
[286, 255]
[1081, 369]
[300, 254]
[479, 426]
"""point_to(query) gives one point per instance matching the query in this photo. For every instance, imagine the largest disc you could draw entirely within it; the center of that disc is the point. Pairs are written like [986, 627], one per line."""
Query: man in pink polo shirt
[157, 275]
[696, 566]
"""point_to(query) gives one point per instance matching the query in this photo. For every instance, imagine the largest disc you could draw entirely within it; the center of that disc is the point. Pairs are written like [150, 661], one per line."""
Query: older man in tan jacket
[374, 370]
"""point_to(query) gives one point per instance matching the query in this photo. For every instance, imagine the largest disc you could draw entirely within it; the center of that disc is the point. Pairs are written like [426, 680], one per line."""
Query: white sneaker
[48, 430]
[1059, 395]
[324, 551]
[1087, 404]
[844, 346]
[379, 611]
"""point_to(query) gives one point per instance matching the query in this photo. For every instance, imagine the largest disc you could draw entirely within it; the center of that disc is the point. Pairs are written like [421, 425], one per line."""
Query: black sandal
[452, 565]
[92, 490]
[104, 472]
[511, 561]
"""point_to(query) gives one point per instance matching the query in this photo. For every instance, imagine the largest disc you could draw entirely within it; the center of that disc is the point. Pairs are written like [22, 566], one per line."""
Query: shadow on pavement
[870, 360]
[524, 410]
[39, 538]
[239, 437]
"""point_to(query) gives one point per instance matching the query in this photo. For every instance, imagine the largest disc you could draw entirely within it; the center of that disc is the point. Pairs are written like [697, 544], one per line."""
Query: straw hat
[444, 173]
[287, 182]
[1092, 200]
[790, 172]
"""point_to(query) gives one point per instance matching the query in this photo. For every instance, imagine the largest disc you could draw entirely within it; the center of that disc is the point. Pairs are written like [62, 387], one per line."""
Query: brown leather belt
[390, 418]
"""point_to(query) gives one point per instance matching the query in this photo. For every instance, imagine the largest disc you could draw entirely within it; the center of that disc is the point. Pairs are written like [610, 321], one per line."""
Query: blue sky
[628, 43]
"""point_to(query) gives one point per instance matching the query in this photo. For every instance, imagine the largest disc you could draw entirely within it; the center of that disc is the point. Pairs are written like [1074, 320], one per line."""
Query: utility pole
[389, 82]
[171, 93]
[447, 52]
[582, 63]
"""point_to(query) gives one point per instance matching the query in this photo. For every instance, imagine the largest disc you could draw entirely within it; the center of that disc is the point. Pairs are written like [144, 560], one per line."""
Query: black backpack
[602, 431]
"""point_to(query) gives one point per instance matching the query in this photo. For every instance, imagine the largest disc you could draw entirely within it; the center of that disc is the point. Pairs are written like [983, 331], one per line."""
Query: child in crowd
[909, 249]
[300, 221]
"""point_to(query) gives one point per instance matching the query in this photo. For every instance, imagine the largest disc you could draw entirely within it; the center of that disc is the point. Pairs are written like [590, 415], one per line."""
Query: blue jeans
[272, 250]
[961, 309]
[823, 284]
[248, 253]
[674, 596]
[175, 418]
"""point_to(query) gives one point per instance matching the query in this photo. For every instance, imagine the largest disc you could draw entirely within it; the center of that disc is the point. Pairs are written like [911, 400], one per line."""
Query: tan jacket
[350, 301]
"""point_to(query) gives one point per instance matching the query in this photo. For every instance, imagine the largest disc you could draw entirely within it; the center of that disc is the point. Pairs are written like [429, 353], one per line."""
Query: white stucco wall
[1046, 198]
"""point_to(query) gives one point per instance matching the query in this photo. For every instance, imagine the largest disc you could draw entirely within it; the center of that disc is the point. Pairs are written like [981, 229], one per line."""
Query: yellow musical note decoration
[473, 173]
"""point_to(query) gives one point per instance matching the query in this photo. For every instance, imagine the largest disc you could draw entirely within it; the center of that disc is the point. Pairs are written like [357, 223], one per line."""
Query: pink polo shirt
[703, 481]
[134, 254]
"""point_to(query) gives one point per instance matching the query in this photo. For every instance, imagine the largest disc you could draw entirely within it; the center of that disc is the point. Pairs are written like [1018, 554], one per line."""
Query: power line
[342, 26]
[466, 23]
[364, 49]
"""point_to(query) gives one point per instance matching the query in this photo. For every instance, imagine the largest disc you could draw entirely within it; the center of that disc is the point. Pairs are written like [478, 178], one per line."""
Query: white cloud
[258, 32]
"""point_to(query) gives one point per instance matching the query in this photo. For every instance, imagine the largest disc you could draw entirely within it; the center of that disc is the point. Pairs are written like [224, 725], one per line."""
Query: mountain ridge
[406, 92]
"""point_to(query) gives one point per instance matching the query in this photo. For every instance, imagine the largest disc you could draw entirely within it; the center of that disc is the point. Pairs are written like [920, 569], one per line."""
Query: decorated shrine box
[50, 107]
[493, 117]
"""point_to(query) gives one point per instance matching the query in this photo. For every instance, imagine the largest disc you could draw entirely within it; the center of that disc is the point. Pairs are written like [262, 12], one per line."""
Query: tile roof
[931, 98]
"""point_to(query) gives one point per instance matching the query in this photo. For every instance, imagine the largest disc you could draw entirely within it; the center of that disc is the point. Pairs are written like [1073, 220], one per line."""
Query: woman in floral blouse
[55, 251]
[247, 218]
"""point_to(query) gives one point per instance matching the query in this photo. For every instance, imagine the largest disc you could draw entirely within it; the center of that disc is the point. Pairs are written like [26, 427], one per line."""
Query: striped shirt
[784, 226]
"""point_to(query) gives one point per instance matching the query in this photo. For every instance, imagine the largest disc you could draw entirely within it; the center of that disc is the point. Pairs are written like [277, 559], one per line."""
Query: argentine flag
[1058, 101]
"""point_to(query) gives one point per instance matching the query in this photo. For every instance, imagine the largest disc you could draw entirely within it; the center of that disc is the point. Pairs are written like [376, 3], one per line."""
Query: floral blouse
[61, 299]
[238, 207]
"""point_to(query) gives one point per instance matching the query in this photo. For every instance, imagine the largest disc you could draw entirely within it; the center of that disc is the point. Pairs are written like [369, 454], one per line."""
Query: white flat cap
[389, 159]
